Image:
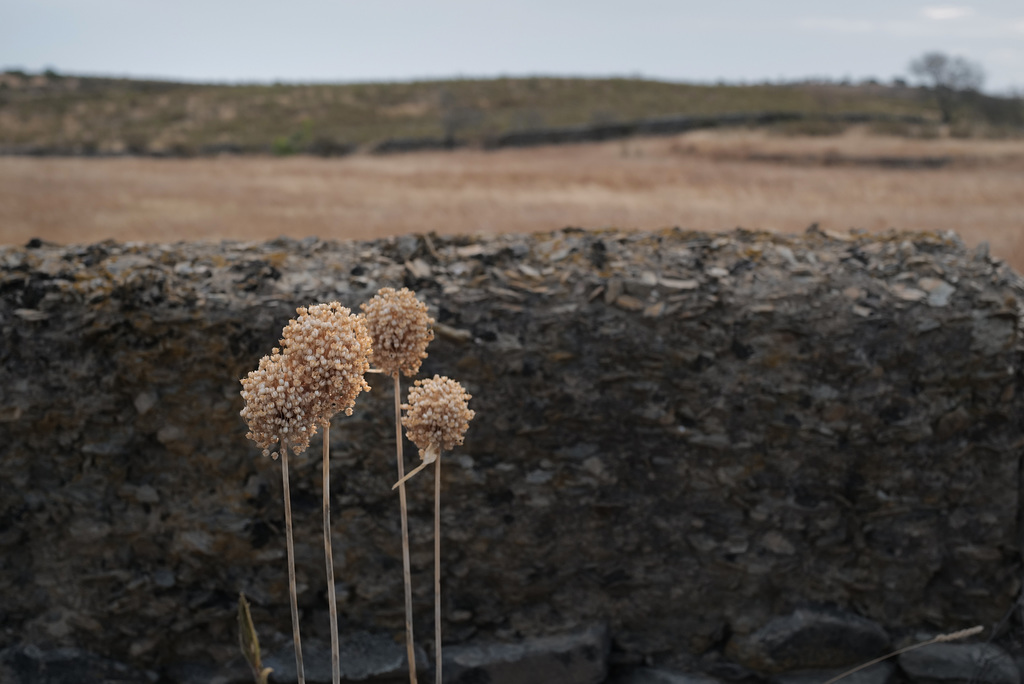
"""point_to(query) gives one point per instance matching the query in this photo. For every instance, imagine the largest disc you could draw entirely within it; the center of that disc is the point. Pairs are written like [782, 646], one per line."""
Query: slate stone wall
[679, 436]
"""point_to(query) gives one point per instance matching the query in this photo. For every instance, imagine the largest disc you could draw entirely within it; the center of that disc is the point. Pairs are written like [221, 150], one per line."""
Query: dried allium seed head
[437, 413]
[400, 328]
[330, 347]
[274, 407]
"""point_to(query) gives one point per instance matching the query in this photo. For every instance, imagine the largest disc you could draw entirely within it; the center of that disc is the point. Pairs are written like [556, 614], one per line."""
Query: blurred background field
[88, 158]
[705, 180]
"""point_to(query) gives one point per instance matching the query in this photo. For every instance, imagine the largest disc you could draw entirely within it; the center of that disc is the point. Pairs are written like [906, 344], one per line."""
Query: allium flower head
[274, 406]
[437, 414]
[400, 328]
[317, 372]
[330, 348]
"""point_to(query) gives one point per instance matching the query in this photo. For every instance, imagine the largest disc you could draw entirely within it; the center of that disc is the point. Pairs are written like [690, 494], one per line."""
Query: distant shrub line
[322, 146]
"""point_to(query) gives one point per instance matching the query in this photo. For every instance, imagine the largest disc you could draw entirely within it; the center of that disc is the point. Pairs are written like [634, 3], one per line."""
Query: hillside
[54, 114]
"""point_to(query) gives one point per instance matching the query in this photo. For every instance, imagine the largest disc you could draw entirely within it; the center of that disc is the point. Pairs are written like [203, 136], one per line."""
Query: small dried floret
[273, 408]
[400, 328]
[437, 414]
[330, 348]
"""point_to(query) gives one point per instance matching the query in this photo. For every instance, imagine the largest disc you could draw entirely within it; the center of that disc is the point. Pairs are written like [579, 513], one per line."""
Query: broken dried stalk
[250, 643]
[952, 636]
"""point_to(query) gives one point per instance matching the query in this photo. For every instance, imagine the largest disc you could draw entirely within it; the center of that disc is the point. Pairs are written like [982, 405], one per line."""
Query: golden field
[708, 180]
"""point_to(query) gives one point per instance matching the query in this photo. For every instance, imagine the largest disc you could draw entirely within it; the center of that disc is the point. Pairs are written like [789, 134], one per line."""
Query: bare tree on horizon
[949, 77]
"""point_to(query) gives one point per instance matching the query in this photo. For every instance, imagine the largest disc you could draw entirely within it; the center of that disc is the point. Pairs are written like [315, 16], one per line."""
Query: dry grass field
[712, 180]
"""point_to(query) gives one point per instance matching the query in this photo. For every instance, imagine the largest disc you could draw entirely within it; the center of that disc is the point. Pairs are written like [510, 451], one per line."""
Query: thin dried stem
[437, 570]
[952, 636]
[408, 476]
[329, 558]
[406, 565]
[291, 563]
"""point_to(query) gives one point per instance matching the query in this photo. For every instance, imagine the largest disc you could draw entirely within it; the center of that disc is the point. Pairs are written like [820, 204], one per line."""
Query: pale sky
[304, 40]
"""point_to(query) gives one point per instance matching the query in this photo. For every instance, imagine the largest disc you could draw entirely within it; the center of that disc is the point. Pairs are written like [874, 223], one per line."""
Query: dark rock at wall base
[235, 671]
[682, 435]
[810, 638]
[955, 663]
[656, 675]
[33, 665]
[880, 673]
[578, 658]
[362, 657]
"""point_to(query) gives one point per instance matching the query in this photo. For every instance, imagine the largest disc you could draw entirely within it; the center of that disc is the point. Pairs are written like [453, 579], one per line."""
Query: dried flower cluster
[400, 328]
[331, 346]
[318, 372]
[274, 408]
[437, 414]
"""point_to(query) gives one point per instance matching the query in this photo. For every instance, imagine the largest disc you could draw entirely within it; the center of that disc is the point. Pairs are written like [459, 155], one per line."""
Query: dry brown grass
[706, 181]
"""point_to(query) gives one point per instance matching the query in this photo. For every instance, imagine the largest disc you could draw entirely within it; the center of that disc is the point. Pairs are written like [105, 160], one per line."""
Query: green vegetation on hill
[69, 114]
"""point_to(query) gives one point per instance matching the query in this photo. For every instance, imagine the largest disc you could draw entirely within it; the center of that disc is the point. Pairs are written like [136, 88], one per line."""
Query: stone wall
[681, 438]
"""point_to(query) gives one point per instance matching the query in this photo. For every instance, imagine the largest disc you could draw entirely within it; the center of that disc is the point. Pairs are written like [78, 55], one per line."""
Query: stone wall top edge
[853, 236]
[244, 270]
